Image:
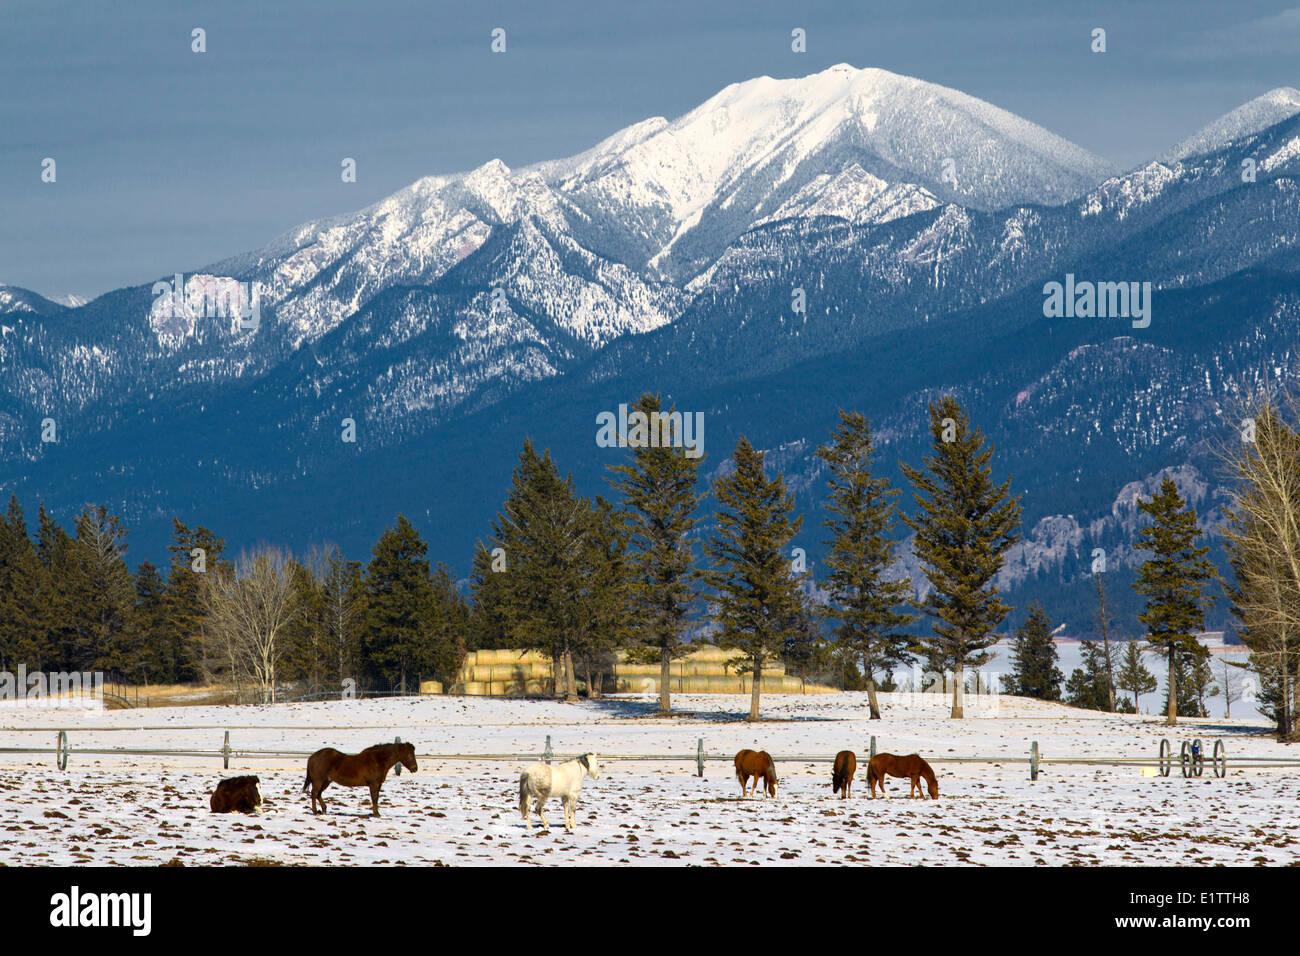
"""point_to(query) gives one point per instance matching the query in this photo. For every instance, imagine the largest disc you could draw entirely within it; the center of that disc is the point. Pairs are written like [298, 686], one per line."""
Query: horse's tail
[306, 786]
[523, 794]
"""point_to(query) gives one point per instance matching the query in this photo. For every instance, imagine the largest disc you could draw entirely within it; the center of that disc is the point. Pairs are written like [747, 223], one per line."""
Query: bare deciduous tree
[1262, 533]
[248, 612]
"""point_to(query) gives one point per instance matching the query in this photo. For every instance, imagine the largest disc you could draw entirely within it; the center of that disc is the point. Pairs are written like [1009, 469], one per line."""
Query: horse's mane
[380, 747]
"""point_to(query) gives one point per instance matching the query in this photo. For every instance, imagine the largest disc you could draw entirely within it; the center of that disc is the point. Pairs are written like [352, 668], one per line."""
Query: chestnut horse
[366, 769]
[751, 764]
[846, 765]
[911, 766]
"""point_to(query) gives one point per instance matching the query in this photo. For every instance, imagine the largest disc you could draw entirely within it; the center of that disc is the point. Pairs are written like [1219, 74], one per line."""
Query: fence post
[61, 751]
[546, 756]
[1033, 760]
[225, 752]
[397, 767]
[699, 758]
[873, 745]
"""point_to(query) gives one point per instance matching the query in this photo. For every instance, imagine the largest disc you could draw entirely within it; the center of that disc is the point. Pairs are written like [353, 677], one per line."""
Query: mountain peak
[1248, 119]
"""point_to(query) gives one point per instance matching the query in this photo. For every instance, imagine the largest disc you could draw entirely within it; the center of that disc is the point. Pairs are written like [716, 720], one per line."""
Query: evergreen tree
[1089, 685]
[1133, 674]
[1200, 677]
[448, 624]
[864, 596]
[964, 528]
[194, 553]
[489, 627]
[153, 661]
[22, 583]
[659, 503]
[98, 596]
[1034, 659]
[604, 607]
[543, 530]
[758, 604]
[396, 636]
[1173, 581]
[1190, 668]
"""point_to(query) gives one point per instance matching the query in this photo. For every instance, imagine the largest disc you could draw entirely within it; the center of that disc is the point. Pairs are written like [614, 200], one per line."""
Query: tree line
[68, 602]
[578, 577]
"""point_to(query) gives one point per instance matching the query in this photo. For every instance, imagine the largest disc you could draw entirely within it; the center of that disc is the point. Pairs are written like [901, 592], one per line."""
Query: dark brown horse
[366, 769]
[236, 795]
[911, 766]
[756, 764]
[846, 765]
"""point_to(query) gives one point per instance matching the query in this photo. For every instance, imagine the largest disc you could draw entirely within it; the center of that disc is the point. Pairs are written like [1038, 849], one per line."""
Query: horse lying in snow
[366, 769]
[236, 795]
[541, 781]
[911, 766]
[756, 764]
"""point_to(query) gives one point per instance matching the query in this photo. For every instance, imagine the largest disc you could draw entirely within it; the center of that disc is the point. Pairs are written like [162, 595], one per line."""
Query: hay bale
[708, 652]
[430, 687]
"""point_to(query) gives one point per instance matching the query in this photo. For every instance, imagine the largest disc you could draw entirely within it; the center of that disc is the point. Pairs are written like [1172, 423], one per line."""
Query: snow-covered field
[149, 809]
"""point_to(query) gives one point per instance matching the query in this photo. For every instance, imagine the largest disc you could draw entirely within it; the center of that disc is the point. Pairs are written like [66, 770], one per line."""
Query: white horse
[541, 781]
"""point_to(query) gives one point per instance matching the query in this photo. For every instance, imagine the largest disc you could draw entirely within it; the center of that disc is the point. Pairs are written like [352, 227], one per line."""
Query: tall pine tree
[396, 636]
[659, 503]
[1173, 581]
[758, 604]
[23, 580]
[865, 596]
[964, 527]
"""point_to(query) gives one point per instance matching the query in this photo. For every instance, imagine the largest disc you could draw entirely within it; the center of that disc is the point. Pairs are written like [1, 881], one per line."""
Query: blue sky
[168, 159]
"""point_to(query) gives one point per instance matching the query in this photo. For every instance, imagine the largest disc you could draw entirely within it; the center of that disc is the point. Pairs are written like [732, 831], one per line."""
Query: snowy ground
[148, 809]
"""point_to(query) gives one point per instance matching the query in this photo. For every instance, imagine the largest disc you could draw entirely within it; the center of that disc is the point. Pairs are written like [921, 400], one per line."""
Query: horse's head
[408, 757]
[771, 784]
[934, 789]
[588, 762]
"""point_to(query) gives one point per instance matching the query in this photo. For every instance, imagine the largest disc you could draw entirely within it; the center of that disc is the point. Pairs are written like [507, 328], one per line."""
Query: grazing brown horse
[751, 764]
[236, 795]
[911, 766]
[366, 769]
[846, 765]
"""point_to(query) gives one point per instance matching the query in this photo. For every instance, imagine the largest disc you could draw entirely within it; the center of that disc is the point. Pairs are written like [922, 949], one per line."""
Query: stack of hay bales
[504, 673]
[705, 670]
[708, 670]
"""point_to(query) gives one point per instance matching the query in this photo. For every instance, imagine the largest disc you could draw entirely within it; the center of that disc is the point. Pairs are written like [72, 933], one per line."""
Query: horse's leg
[541, 802]
[374, 799]
[567, 801]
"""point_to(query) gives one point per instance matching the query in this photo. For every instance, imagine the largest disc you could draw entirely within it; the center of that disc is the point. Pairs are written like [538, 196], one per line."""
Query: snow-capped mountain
[1246, 120]
[467, 311]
